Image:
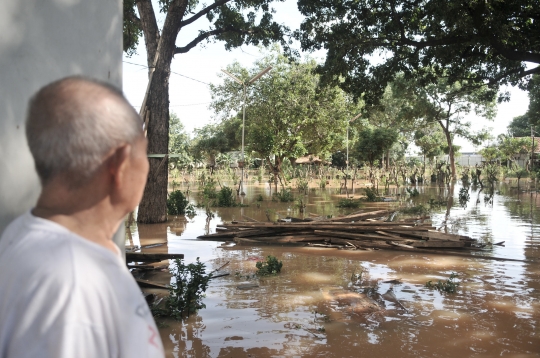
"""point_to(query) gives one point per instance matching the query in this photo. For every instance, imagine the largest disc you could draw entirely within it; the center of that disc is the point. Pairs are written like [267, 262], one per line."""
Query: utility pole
[244, 84]
[532, 149]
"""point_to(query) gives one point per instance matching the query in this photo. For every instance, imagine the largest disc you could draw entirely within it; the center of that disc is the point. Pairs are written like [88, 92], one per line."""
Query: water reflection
[496, 310]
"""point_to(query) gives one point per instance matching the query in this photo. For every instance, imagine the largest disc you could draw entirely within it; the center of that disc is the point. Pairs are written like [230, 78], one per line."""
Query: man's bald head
[73, 123]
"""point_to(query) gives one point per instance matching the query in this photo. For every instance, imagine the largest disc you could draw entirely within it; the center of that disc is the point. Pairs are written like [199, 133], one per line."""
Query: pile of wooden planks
[363, 230]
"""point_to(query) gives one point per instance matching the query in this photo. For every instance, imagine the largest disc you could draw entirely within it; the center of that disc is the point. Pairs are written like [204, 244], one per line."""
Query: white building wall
[42, 41]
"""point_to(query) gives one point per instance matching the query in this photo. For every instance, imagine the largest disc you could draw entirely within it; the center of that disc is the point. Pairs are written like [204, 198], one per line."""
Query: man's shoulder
[42, 247]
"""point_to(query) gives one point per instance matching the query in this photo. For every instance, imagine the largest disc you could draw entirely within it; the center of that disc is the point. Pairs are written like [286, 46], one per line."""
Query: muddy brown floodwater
[336, 303]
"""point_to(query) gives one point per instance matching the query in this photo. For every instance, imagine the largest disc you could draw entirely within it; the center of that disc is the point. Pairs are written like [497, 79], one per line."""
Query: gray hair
[73, 123]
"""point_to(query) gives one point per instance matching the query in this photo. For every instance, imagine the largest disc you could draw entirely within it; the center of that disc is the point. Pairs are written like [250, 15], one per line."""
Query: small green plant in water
[259, 198]
[449, 286]
[177, 203]
[415, 210]
[285, 195]
[187, 289]
[271, 267]
[349, 203]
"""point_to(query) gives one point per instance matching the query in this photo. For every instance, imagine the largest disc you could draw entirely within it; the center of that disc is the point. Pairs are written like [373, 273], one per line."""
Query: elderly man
[64, 289]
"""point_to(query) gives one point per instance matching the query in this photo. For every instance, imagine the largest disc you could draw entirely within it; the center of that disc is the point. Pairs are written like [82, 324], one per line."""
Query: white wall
[41, 41]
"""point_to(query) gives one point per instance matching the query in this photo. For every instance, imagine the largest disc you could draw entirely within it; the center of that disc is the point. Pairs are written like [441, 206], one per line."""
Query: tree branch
[203, 12]
[203, 36]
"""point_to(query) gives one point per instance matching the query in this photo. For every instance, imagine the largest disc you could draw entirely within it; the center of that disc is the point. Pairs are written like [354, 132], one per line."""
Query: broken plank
[142, 257]
[361, 216]
[150, 284]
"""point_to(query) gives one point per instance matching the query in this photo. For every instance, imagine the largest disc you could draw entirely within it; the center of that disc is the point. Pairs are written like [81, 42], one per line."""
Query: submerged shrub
[271, 267]
[349, 203]
[449, 286]
[225, 197]
[177, 203]
[187, 291]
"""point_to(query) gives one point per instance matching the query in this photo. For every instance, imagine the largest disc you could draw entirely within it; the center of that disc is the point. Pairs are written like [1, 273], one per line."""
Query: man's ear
[118, 163]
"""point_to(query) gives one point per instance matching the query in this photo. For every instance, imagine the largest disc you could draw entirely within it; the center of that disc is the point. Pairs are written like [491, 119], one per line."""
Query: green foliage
[302, 184]
[179, 143]
[187, 289]
[430, 140]
[491, 39]
[372, 194]
[209, 189]
[271, 267]
[132, 30]
[413, 193]
[415, 210]
[349, 203]
[373, 143]
[284, 195]
[448, 286]
[226, 197]
[464, 197]
[176, 203]
[289, 111]
[520, 126]
[259, 198]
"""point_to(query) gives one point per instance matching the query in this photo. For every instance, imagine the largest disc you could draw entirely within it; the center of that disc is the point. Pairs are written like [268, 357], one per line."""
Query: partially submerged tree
[214, 139]
[288, 114]
[373, 143]
[232, 21]
[492, 39]
[445, 103]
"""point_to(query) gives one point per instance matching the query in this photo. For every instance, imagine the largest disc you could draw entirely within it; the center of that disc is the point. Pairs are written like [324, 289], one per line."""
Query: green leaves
[491, 39]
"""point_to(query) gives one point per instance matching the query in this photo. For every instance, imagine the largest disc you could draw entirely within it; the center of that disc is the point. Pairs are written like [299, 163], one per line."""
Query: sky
[193, 71]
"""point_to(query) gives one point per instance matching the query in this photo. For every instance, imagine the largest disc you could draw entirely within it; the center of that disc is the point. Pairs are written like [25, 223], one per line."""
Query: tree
[520, 126]
[397, 109]
[215, 139]
[179, 142]
[491, 39]
[234, 22]
[430, 141]
[510, 148]
[446, 102]
[372, 143]
[288, 114]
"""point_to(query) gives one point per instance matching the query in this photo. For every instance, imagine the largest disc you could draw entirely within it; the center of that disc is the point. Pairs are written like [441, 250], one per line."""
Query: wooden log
[243, 241]
[250, 219]
[434, 235]
[351, 236]
[150, 284]
[142, 257]
[361, 216]
[288, 238]
[438, 243]
[141, 267]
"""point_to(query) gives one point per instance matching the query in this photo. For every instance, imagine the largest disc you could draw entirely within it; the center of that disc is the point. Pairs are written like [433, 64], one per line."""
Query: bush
[284, 195]
[372, 194]
[349, 203]
[176, 203]
[271, 267]
[187, 290]
[449, 286]
[225, 197]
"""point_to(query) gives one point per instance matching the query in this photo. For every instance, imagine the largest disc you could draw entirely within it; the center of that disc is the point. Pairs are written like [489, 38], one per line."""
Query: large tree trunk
[450, 148]
[153, 207]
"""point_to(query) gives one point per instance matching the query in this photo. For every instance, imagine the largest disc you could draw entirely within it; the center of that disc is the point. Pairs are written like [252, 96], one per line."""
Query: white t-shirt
[62, 296]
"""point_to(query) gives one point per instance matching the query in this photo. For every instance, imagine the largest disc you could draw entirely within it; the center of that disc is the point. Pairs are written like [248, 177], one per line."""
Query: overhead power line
[176, 73]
